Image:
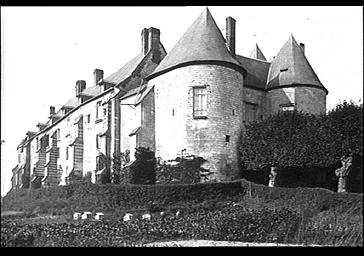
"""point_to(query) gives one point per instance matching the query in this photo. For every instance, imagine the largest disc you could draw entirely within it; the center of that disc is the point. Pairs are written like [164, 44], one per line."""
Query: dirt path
[208, 243]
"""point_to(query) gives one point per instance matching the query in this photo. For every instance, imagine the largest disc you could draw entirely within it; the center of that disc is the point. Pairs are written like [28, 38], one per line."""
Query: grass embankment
[234, 211]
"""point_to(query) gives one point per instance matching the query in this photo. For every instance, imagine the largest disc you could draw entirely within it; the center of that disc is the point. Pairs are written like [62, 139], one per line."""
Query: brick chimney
[302, 45]
[153, 38]
[98, 75]
[145, 44]
[230, 34]
[52, 110]
[80, 86]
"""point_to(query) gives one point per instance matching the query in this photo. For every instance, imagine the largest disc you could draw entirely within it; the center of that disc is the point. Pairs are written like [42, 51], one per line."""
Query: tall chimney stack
[98, 75]
[145, 44]
[153, 38]
[302, 45]
[80, 86]
[230, 34]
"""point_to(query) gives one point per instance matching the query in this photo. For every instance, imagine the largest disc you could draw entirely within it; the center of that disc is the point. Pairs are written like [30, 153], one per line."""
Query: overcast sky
[44, 50]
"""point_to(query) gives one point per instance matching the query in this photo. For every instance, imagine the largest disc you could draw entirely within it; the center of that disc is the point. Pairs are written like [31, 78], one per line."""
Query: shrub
[142, 170]
[185, 170]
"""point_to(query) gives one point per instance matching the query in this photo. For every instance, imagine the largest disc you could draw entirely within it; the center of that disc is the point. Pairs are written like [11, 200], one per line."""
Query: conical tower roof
[257, 53]
[290, 67]
[202, 42]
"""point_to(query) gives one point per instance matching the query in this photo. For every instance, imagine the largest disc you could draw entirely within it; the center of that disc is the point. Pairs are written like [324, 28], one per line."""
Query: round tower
[292, 82]
[198, 92]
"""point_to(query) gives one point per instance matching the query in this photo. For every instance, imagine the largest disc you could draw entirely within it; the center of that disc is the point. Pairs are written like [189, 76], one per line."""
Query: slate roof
[124, 72]
[203, 41]
[290, 67]
[257, 71]
[73, 102]
[257, 53]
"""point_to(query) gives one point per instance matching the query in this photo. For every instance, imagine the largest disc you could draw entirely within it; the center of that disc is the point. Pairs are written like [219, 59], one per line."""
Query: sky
[45, 50]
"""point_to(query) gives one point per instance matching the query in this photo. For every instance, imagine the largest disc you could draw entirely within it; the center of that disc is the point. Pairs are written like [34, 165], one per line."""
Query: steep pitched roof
[257, 53]
[290, 67]
[203, 41]
[125, 71]
[257, 71]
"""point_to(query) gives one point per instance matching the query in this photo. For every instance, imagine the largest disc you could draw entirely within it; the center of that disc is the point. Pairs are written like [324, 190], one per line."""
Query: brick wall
[176, 129]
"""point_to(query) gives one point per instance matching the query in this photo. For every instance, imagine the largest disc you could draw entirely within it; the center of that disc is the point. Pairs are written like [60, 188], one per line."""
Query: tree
[283, 140]
[142, 170]
[119, 169]
[296, 139]
[345, 126]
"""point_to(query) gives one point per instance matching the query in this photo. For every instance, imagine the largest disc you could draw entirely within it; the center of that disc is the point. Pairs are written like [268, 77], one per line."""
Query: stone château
[195, 99]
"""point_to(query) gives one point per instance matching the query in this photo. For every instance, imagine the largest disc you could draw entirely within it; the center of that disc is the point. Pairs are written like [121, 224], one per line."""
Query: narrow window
[18, 158]
[172, 111]
[97, 142]
[98, 105]
[66, 153]
[88, 118]
[233, 112]
[227, 138]
[38, 143]
[58, 134]
[199, 102]
[45, 141]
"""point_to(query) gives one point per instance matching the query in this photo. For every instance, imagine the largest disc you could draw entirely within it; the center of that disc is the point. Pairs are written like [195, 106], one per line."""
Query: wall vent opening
[227, 138]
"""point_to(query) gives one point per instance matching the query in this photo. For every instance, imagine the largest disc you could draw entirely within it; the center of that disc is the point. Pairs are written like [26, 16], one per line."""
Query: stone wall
[311, 100]
[308, 99]
[259, 98]
[146, 134]
[177, 130]
[279, 96]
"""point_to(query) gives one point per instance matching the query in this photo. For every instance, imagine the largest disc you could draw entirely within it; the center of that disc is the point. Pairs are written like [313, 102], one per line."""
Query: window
[97, 142]
[250, 112]
[88, 118]
[287, 107]
[98, 106]
[172, 111]
[66, 153]
[199, 102]
[58, 134]
[227, 138]
[38, 143]
[45, 141]
[19, 156]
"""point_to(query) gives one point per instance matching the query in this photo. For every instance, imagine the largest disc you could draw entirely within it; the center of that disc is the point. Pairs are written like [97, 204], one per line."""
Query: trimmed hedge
[108, 197]
[112, 198]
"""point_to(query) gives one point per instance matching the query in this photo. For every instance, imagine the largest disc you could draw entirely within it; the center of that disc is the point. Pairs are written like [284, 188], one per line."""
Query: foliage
[231, 223]
[296, 139]
[119, 168]
[345, 124]
[142, 170]
[179, 171]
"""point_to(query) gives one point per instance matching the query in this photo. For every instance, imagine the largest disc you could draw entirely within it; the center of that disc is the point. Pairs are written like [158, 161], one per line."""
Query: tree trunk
[272, 176]
[342, 173]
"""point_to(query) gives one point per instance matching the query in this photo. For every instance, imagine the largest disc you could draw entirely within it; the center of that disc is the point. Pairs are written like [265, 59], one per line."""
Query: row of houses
[196, 98]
